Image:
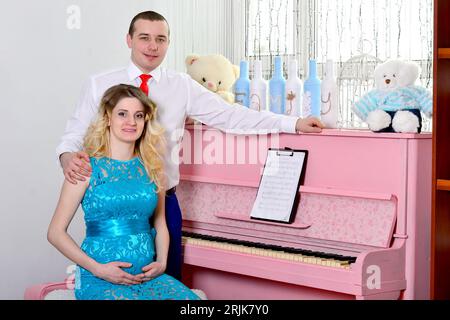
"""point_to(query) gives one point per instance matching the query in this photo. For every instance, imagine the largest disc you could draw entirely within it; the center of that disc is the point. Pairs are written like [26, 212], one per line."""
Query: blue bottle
[277, 87]
[312, 103]
[242, 86]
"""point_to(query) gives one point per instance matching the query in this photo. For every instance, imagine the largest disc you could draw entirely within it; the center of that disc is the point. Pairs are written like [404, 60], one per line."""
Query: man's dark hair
[147, 15]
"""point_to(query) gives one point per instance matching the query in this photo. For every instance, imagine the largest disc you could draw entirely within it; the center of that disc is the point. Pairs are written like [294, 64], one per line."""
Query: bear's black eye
[394, 75]
[220, 82]
[385, 76]
[204, 80]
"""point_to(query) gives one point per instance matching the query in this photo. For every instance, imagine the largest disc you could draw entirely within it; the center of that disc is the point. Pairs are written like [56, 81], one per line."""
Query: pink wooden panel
[239, 287]
[337, 159]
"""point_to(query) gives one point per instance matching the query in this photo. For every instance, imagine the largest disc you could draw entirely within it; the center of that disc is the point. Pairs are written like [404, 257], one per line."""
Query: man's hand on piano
[309, 125]
[153, 270]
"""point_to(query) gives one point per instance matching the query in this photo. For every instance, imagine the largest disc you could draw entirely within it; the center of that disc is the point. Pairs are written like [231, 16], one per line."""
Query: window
[350, 32]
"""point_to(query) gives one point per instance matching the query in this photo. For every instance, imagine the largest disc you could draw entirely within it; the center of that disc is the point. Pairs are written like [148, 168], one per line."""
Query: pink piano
[362, 229]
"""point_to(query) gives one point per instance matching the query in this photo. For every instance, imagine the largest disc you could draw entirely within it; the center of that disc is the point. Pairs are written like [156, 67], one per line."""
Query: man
[177, 96]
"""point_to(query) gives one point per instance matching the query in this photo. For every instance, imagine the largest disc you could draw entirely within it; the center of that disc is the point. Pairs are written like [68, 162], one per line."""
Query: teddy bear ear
[409, 73]
[191, 59]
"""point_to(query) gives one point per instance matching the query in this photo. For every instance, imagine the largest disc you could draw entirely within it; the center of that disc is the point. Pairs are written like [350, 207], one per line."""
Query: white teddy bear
[396, 103]
[215, 72]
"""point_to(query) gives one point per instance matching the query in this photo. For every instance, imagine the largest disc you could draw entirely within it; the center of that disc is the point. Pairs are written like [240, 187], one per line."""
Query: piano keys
[361, 230]
[259, 249]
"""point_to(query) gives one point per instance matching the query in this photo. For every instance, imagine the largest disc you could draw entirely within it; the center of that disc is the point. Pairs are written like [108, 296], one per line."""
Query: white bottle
[294, 91]
[258, 89]
[330, 98]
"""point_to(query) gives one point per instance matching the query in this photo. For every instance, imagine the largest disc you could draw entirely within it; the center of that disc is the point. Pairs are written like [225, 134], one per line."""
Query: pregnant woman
[125, 251]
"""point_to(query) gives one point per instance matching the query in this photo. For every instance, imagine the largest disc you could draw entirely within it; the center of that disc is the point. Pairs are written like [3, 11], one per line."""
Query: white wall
[42, 67]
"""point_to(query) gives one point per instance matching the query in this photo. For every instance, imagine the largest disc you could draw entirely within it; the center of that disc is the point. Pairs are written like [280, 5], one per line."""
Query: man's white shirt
[176, 96]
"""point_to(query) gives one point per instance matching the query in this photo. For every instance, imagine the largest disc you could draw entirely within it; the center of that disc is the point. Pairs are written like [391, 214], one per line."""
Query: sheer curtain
[203, 27]
[342, 30]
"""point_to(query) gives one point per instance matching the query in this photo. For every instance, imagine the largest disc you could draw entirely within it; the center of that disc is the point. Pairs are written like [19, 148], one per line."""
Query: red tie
[144, 84]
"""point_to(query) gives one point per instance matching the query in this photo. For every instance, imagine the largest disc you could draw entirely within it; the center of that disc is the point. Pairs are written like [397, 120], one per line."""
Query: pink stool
[64, 291]
[40, 291]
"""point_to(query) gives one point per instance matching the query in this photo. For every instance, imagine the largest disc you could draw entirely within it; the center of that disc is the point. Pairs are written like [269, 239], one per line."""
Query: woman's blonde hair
[150, 146]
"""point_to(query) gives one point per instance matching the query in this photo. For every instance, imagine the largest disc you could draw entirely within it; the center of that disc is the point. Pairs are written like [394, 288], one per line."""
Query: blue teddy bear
[396, 104]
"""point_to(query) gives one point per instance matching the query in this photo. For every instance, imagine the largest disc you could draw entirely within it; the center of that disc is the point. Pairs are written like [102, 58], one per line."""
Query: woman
[122, 256]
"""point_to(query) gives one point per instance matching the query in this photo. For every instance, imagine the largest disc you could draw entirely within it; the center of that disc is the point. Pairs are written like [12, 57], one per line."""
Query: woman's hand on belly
[152, 271]
[112, 272]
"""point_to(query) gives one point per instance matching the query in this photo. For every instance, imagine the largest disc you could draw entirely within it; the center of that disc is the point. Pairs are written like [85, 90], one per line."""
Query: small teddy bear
[396, 104]
[215, 72]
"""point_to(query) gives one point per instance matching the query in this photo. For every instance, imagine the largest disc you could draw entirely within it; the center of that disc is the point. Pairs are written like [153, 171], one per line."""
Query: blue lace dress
[118, 205]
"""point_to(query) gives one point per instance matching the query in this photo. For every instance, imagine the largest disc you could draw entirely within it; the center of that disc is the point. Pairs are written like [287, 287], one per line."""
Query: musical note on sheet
[279, 185]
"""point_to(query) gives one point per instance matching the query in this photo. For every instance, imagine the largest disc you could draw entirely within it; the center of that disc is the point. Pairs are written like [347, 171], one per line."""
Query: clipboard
[278, 195]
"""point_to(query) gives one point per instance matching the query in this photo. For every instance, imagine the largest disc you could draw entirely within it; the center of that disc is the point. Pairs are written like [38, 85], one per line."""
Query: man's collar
[134, 72]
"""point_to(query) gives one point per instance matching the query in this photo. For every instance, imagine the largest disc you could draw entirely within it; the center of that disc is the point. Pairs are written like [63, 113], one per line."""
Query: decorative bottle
[311, 97]
[258, 89]
[330, 98]
[242, 86]
[294, 91]
[277, 88]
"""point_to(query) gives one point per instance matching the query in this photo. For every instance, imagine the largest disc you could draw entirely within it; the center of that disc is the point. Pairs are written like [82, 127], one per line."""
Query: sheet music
[279, 185]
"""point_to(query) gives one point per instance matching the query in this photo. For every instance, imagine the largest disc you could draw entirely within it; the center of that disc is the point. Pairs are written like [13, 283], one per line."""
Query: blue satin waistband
[119, 227]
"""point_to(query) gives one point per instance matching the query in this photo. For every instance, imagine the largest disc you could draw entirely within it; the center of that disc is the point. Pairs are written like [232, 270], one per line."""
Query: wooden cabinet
[440, 251]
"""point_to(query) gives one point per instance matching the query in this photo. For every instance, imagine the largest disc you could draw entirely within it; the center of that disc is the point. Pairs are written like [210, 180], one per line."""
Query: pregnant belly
[135, 249]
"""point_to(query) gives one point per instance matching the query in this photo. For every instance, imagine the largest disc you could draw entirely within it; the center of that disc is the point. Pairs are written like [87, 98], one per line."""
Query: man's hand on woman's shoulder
[76, 166]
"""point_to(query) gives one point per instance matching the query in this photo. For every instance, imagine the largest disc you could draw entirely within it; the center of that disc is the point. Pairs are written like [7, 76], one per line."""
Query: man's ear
[191, 59]
[129, 40]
